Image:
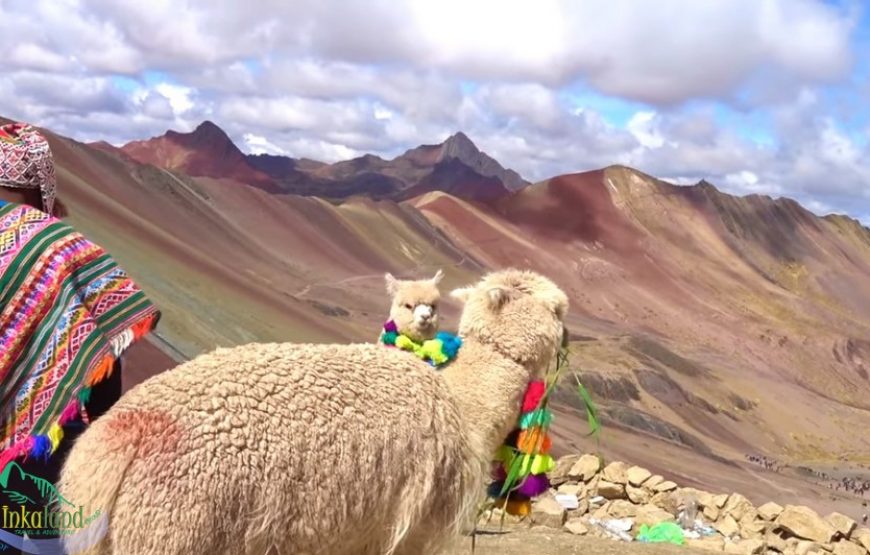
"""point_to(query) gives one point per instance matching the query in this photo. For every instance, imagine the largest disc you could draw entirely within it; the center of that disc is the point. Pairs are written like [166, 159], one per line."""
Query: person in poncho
[67, 314]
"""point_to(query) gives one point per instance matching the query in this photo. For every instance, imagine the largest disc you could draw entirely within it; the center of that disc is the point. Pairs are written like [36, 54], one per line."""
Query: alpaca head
[518, 313]
[415, 306]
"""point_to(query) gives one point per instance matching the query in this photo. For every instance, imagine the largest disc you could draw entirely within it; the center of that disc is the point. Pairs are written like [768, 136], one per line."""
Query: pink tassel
[69, 413]
[15, 452]
[7, 456]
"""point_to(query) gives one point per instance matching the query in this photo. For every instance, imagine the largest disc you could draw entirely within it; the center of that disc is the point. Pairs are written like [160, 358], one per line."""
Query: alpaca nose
[423, 313]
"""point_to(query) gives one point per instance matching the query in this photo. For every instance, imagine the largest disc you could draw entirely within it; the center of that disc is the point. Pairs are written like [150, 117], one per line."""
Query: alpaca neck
[488, 390]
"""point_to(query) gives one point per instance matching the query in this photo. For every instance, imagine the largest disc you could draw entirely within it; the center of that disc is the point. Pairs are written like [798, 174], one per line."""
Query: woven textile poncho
[67, 312]
[26, 162]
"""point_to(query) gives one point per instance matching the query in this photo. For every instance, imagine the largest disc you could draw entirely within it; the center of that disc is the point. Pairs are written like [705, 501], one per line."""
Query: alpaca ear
[392, 283]
[439, 275]
[558, 303]
[462, 293]
[497, 297]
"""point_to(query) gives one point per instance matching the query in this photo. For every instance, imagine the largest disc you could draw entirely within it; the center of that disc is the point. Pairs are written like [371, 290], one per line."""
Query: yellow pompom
[55, 435]
[434, 349]
[403, 342]
[542, 464]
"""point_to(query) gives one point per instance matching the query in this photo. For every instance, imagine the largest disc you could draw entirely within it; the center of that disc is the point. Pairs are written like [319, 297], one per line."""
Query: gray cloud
[46, 93]
[157, 106]
[660, 52]
[331, 81]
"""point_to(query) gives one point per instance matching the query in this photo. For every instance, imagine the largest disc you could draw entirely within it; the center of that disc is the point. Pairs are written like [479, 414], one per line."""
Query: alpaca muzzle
[423, 313]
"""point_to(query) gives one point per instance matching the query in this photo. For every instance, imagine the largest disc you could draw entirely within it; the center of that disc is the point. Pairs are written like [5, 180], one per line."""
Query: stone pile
[626, 496]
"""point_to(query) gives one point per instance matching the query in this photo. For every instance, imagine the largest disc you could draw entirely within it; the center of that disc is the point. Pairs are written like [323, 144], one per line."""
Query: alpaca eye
[409, 307]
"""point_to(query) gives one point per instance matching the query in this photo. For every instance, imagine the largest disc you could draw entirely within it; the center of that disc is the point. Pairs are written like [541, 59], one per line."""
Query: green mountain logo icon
[13, 481]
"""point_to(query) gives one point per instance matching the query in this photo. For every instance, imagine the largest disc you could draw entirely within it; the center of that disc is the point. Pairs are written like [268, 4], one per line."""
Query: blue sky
[756, 97]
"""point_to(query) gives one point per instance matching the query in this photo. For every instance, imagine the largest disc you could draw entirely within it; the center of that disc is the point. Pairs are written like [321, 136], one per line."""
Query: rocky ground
[542, 541]
[587, 498]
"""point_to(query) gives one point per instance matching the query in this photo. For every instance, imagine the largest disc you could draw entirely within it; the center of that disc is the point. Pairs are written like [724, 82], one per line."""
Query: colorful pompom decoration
[533, 396]
[516, 505]
[437, 352]
[521, 463]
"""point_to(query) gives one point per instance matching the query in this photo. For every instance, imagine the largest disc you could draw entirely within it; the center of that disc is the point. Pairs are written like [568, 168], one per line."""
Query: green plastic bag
[663, 532]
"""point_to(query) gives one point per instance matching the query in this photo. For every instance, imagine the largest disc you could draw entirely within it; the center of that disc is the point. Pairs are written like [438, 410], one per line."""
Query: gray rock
[804, 523]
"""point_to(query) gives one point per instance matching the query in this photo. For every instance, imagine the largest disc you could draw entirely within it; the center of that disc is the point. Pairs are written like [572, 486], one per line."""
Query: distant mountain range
[455, 166]
[708, 326]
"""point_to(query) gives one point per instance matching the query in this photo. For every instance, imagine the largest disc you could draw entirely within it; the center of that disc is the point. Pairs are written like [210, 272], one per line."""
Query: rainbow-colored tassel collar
[437, 352]
[522, 462]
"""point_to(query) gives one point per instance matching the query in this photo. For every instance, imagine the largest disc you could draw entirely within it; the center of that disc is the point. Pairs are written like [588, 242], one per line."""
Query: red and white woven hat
[26, 162]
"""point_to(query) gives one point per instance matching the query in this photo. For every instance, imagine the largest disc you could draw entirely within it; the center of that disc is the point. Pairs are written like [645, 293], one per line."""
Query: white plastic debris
[696, 529]
[568, 501]
[615, 528]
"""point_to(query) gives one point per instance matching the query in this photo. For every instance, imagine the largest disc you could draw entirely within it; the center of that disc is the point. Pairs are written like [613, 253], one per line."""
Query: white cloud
[37, 57]
[524, 103]
[179, 97]
[747, 182]
[156, 105]
[256, 144]
[819, 208]
[382, 113]
[662, 52]
[642, 126]
[300, 114]
[378, 76]
[323, 151]
[48, 93]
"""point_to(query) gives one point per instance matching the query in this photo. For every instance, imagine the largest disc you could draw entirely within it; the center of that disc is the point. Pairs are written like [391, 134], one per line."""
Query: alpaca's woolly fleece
[229, 449]
[517, 316]
[225, 453]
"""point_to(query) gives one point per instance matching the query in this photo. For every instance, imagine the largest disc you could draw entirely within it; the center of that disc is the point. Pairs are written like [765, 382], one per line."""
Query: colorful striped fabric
[67, 311]
[26, 162]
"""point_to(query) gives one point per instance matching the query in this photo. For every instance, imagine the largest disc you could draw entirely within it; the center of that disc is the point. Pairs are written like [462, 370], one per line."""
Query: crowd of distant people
[766, 462]
[852, 485]
[858, 487]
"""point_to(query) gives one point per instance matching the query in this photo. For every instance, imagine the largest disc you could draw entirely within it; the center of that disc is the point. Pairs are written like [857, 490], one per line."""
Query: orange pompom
[518, 507]
[515, 507]
[534, 440]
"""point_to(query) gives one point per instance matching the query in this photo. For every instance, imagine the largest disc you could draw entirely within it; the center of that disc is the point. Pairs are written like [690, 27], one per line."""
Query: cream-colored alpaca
[326, 449]
[414, 306]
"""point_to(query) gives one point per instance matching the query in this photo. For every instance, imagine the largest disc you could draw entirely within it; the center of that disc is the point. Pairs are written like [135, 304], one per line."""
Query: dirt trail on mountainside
[552, 542]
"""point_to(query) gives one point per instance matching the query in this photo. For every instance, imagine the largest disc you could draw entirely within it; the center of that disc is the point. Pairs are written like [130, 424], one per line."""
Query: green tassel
[513, 475]
[591, 410]
[85, 395]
